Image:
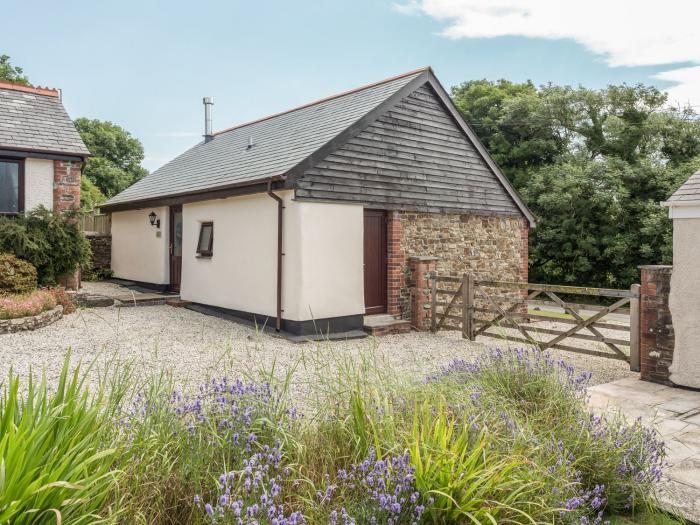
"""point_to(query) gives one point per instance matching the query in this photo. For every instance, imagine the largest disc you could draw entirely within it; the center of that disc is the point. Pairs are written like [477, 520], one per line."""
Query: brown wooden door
[375, 262]
[175, 247]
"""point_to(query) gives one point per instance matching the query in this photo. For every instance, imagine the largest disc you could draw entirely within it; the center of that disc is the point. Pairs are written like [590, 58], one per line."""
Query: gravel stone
[195, 347]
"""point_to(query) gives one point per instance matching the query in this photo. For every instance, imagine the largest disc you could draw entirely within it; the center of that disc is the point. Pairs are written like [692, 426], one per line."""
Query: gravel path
[195, 347]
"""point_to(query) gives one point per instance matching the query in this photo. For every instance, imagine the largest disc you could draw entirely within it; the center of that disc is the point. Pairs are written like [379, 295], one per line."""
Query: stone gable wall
[489, 247]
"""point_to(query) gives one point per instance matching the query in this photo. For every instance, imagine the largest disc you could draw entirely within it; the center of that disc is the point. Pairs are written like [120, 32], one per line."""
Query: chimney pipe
[208, 103]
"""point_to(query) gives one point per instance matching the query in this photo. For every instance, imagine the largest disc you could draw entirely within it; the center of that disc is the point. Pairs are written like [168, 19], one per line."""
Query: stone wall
[657, 337]
[489, 247]
[8, 326]
[101, 245]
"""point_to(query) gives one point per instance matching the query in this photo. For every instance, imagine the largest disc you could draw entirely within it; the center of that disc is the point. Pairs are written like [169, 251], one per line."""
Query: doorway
[175, 242]
[375, 261]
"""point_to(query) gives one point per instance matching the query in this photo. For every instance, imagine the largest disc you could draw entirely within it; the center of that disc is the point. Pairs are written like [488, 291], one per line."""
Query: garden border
[32, 322]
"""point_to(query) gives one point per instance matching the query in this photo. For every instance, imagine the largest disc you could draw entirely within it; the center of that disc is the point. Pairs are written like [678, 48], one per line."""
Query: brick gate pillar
[655, 325]
[66, 196]
[395, 264]
[420, 291]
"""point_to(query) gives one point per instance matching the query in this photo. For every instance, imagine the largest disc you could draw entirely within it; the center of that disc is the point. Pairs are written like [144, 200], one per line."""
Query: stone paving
[675, 414]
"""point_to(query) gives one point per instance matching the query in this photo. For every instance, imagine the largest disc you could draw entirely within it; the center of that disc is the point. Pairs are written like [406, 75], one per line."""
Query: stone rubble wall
[489, 247]
[8, 326]
[657, 337]
[101, 245]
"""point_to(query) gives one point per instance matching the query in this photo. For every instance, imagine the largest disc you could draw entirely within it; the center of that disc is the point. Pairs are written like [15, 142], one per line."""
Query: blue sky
[146, 65]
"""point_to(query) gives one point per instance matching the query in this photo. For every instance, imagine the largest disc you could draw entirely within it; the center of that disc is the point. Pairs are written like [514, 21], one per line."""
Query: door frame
[381, 309]
[171, 236]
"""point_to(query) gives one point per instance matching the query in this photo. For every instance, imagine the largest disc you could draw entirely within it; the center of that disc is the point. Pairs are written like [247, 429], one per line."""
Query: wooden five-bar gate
[540, 315]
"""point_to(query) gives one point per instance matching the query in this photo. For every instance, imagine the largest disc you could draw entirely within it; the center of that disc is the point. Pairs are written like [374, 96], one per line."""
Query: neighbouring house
[684, 300]
[41, 152]
[309, 219]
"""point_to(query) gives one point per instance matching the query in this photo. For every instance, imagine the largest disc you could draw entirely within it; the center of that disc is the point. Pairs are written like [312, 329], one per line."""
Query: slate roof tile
[37, 122]
[690, 191]
[281, 141]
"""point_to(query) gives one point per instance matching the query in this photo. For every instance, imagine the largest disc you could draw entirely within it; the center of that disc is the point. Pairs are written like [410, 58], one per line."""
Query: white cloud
[623, 32]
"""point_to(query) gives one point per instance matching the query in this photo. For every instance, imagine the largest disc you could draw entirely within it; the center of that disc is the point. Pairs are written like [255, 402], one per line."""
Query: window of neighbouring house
[206, 239]
[11, 187]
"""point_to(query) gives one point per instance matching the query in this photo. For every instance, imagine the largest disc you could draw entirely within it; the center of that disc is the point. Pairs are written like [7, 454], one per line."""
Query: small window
[206, 239]
[11, 187]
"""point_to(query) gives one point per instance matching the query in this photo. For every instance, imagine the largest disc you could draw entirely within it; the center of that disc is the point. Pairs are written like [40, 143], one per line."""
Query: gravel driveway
[195, 347]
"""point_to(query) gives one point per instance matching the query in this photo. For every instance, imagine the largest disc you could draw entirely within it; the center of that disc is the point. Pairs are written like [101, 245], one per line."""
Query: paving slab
[675, 414]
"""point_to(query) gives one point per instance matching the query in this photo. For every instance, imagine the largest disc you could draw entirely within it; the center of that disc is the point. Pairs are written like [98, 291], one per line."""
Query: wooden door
[375, 261]
[175, 247]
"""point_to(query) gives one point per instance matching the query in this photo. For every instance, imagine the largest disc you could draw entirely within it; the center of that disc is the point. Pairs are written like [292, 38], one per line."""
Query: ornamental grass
[503, 439]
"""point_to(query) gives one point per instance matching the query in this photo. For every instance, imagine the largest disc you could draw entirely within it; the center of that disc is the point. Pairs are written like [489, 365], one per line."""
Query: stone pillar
[66, 185]
[395, 262]
[421, 291]
[656, 327]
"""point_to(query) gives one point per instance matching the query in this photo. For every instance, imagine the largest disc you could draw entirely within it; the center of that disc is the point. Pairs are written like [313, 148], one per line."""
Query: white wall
[684, 301]
[38, 183]
[241, 273]
[331, 282]
[322, 265]
[138, 253]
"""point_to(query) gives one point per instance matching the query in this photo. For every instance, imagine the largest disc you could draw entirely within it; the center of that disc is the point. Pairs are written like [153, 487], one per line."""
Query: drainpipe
[280, 207]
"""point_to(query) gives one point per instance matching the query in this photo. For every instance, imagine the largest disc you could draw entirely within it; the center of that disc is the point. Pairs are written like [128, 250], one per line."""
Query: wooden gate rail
[510, 313]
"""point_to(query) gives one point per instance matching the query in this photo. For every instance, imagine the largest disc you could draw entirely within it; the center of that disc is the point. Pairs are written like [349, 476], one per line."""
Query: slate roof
[281, 141]
[34, 119]
[690, 191]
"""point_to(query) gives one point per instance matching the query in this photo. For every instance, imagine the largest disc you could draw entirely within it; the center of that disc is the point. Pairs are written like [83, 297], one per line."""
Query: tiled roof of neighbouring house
[280, 142]
[690, 191]
[34, 119]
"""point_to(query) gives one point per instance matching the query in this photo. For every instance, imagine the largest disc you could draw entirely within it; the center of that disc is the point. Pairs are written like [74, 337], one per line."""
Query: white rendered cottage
[684, 299]
[305, 220]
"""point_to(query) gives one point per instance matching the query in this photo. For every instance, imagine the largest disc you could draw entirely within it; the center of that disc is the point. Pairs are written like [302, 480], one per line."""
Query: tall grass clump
[56, 459]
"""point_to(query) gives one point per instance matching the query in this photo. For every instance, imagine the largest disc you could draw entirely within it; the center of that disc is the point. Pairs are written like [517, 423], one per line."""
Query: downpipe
[280, 207]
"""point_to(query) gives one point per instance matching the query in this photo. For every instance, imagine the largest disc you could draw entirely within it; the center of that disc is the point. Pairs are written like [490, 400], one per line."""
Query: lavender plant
[373, 491]
[597, 464]
[236, 427]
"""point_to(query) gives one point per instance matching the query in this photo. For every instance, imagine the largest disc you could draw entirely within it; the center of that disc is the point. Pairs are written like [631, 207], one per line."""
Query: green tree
[11, 73]
[90, 195]
[513, 122]
[593, 166]
[117, 156]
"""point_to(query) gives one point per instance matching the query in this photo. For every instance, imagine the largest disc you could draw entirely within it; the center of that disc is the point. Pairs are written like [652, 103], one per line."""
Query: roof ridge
[37, 90]
[325, 99]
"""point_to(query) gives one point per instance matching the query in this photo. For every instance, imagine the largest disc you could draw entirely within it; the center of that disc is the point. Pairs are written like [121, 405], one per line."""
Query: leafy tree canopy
[593, 166]
[11, 73]
[90, 195]
[117, 156]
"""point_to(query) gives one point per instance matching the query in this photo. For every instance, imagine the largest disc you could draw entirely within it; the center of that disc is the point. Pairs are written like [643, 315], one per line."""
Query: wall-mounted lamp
[153, 219]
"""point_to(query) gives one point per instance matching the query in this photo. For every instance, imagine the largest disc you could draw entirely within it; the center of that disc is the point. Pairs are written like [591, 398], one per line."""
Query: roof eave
[220, 192]
[45, 151]
[680, 204]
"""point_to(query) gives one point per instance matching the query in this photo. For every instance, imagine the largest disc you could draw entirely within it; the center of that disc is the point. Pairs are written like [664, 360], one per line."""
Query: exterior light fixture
[153, 219]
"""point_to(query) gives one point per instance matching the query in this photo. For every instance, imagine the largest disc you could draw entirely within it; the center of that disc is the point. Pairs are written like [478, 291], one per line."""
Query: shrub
[16, 306]
[53, 243]
[61, 297]
[54, 467]
[16, 276]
